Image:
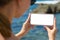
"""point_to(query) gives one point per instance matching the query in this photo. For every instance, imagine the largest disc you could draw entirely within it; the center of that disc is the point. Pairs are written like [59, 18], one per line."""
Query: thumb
[47, 28]
[28, 19]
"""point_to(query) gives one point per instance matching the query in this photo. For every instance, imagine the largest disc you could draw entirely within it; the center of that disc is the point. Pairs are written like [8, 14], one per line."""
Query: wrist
[51, 37]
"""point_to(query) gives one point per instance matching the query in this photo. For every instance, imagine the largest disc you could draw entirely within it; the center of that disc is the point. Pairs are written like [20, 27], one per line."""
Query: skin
[13, 10]
[52, 31]
[1, 37]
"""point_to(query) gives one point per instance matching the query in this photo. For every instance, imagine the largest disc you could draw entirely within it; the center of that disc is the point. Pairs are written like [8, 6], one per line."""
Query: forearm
[52, 38]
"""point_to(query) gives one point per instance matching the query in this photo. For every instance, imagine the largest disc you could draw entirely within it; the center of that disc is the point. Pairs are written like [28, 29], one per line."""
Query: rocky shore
[47, 8]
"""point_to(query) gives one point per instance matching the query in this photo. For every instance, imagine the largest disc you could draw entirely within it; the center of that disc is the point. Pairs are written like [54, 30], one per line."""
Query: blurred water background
[38, 33]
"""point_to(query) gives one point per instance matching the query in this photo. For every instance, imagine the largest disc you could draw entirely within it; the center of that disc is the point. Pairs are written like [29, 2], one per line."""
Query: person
[16, 8]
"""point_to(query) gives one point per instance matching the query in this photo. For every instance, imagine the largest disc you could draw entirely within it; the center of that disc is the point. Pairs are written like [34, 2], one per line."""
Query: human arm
[25, 28]
[52, 31]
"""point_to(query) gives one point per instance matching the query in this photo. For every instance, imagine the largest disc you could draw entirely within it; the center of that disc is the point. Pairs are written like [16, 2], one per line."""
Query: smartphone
[42, 19]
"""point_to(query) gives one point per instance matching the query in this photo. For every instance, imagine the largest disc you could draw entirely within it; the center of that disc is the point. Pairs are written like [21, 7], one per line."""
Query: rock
[49, 10]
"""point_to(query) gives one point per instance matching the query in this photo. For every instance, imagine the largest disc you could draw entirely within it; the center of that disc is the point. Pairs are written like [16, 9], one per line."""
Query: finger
[54, 23]
[32, 26]
[47, 28]
[28, 19]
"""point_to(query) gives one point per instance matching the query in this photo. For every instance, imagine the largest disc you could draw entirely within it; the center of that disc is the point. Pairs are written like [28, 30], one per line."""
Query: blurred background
[38, 32]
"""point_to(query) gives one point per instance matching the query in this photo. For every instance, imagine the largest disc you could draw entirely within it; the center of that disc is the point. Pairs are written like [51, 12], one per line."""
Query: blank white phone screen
[42, 19]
